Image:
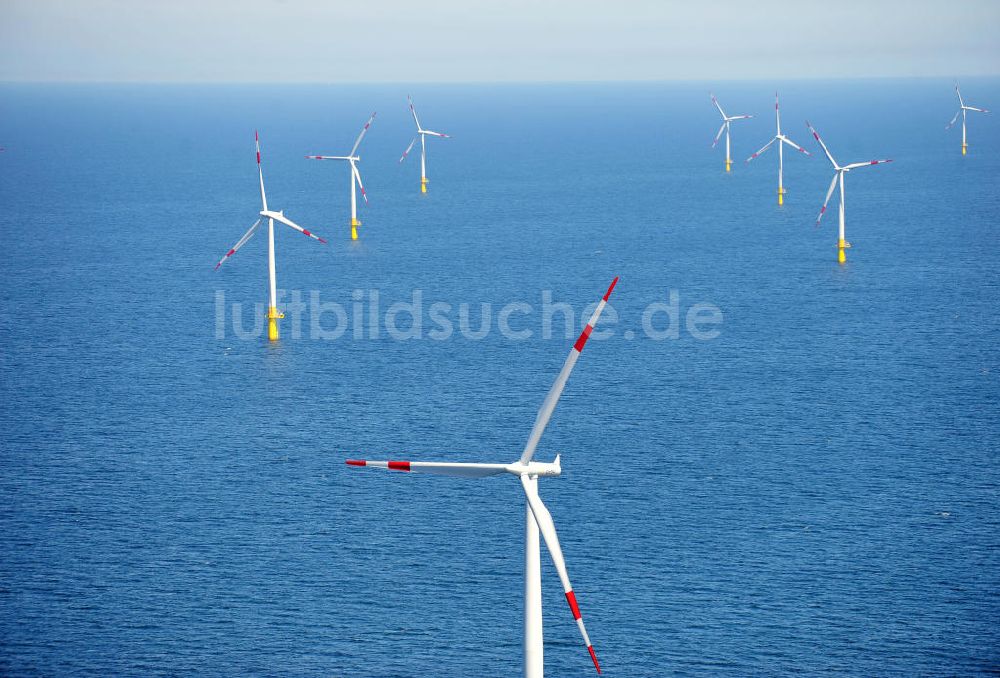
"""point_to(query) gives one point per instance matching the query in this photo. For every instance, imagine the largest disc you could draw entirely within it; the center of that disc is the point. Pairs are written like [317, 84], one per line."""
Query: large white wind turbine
[536, 514]
[726, 120]
[961, 111]
[355, 176]
[421, 134]
[273, 315]
[781, 139]
[838, 177]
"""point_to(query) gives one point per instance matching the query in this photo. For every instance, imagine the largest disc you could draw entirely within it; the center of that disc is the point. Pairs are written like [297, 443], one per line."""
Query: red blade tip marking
[582, 340]
[399, 465]
[593, 657]
[356, 462]
[610, 288]
[321, 240]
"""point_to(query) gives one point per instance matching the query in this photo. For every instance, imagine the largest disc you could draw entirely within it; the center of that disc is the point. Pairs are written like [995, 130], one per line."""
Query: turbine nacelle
[536, 468]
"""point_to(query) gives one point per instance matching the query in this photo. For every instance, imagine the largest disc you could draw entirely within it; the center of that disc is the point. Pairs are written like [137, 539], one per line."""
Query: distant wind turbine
[355, 176]
[537, 516]
[839, 177]
[961, 111]
[421, 134]
[726, 120]
[781, 139]
[273, 314]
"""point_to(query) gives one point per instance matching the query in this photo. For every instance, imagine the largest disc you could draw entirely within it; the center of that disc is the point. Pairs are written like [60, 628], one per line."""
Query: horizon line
[635, 81]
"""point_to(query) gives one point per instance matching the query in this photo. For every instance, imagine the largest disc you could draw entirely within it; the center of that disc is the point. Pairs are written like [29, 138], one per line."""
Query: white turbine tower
[421, 134]
[355, 176]
[537, 516]
[726, 120]
[781, 139]
[273, 315]
[839, 177]
[961, 111]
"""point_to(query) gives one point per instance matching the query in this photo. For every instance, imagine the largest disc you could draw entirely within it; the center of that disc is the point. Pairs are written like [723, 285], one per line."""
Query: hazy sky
[516, 40]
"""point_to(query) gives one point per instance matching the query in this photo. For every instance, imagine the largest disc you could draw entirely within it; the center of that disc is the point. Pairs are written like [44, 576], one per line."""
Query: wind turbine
[781, 139]
[726, 120]
[961, 111]
[355, 176]
[273, 315]
[421, 134]
[839, 177]
[537, 516]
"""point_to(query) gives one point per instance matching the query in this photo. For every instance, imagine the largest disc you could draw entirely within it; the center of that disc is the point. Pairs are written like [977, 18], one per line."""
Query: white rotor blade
[855, 165]
[357, 177]
[288, 222]
[549, 404]
[960, 101]
[739, 117]
[825, 150]
[242, 241]
[413, 111]
[833, 184]
[408, 149]
[461, 470]
[719, 135]
[950, 124]
[766, 146]
[326, 157]
[260, 172]
[978, 110]
[361, 136]
[548, 530]
[716, 102]
[435, 134]
[795, 145]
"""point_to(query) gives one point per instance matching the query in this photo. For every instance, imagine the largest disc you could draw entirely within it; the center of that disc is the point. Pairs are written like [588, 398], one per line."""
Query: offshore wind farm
[774, 459]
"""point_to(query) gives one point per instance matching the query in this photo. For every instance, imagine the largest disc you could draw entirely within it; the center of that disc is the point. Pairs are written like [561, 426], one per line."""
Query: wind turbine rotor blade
[357, 177]
[549, 404]
[408, 149]
[326, 157]
[435, 134]
[719, 135]
[361, 136]
[978, 110]
[548, 530]
[413, 111]
[825, 149]
[761, 151]
[260, 172]
[856, 165]
[716, 102]
[240, 243]
[460, 470]
[739, 117]
[953, 120]
[960, 101]
[288, 222]
[794, 145]
[833, 184]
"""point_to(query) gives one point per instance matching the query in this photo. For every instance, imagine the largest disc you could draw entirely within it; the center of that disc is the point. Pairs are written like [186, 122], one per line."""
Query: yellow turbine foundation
[965, 148]
[841, 255]
[273, 315]
[354, 228]
[423, 184]
[781, 196]
[729, 164]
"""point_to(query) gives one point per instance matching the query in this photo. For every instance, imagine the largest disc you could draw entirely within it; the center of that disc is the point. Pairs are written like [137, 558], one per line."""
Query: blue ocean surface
[810, 485]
